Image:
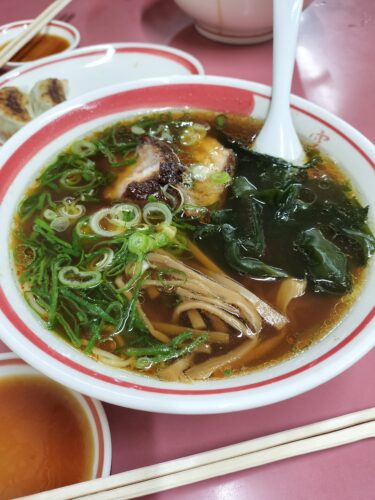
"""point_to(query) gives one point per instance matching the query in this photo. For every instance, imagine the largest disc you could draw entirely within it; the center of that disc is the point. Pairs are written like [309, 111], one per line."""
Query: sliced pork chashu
[209, 157]
[14, 111]
[156, 166]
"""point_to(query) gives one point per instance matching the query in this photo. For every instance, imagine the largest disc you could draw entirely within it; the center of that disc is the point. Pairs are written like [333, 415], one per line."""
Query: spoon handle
[278, 137]
[286, 22]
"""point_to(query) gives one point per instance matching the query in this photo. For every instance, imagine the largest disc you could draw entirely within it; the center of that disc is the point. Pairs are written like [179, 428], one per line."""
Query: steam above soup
[164, 245]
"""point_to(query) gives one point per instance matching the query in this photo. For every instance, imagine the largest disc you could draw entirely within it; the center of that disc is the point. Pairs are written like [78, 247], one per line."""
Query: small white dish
[58, 28]
[96, 66]
[11, 365]
[25, 154]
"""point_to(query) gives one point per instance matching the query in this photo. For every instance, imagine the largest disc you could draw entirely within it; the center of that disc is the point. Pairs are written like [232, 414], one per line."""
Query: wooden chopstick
[293, 449]
[224, 460]
[37, 25]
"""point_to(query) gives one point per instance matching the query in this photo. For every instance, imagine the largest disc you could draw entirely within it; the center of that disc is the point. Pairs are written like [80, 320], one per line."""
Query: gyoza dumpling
[47, 93]
[14, 111]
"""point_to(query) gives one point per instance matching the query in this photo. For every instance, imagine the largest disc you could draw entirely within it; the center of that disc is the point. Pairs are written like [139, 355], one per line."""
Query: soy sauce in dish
[45, 437]
[41, 45]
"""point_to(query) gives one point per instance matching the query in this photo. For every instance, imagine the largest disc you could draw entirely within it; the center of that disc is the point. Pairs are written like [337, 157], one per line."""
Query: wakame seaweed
[279, 221]
[327, 267]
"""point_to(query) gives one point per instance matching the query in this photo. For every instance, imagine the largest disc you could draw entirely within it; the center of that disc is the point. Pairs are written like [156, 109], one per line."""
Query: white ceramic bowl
[35, 145]
[11, 365]
[236, 22]
[59, 28]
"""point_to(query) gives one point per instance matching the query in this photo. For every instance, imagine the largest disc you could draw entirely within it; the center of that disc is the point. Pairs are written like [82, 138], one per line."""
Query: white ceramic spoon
[278, 136]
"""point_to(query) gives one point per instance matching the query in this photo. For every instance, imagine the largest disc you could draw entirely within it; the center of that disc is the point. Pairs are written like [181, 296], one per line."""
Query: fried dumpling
[47, 93]
[14, 111]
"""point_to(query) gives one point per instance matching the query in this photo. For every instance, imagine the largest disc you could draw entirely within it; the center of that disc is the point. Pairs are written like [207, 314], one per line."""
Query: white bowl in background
[59, 28]
[11, 366]
[237, 22]
[28, 151]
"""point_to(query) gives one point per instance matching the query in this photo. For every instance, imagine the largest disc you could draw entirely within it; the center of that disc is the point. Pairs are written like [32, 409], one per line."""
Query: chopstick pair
[191, 469]
[37, 25]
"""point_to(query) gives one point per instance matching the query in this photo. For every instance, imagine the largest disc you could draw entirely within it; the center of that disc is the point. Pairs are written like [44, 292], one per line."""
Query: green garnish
[220, 177]
[139, 243]
[72, 277]
[220, 121]
[179, 346]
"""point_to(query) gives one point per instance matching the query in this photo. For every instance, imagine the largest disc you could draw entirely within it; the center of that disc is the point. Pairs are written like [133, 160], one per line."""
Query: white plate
[96, 66]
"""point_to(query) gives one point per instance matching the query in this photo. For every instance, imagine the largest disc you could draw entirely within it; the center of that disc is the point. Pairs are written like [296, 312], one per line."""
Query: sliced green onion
[144, 363]
[177, 205]
[106, 260]
[188, 138]
[33, 303]
[72, 211]
[84, 230]
[60, 224]
[84, 148]
[31, 205]
[168, 230]
[161, 240]
[220, 177]
[72, 277]
[220, 121]
[192, 134]
[137, 130]
[162, 132]
[139, 243]
[126, 214]
[157, 213]
[179, 245]
[201, 128]
[72, 178]
[49, 214]
[97, 217]
[136, 268]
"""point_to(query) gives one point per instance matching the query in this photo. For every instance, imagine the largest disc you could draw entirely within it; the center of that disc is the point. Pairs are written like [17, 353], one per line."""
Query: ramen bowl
[25, 154]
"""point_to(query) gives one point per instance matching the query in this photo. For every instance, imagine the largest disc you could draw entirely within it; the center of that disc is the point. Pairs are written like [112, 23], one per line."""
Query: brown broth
[41, 45]
[311, 316]
[45, 437]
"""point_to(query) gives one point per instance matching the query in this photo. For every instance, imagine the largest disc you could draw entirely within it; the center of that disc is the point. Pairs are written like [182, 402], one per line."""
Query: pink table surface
[335, 69]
